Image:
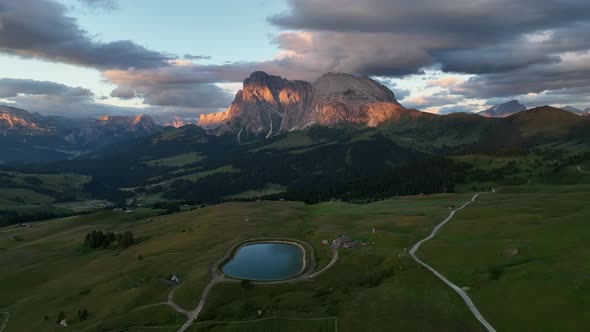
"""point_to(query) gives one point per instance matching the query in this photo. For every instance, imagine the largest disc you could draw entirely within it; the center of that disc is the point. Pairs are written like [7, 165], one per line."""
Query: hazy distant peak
[504, 109]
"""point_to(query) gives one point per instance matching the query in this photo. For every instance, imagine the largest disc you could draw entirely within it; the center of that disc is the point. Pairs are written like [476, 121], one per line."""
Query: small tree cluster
[100, 239]
[82, 314]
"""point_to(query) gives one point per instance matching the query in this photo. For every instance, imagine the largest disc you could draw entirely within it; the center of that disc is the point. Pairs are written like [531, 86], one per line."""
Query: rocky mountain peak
[21, 122]
[269, 104]
[504, 110]
[342, 86]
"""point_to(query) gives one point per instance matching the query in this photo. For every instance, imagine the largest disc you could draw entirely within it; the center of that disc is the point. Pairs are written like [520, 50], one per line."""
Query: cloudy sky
[185, 58]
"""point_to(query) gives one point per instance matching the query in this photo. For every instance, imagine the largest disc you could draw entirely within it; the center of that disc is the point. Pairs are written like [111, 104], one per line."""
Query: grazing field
[111, 283]
[523, 254]
[505, 247]
[179, 160]
[30, 194]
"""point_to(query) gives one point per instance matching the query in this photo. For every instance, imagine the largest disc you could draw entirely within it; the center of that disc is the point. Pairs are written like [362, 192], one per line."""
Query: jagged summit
[503, 110]
[269, 104]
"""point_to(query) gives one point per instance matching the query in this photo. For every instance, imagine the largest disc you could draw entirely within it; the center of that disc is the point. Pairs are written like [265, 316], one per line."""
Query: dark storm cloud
[466, 19]
[41, 29]
[181, 95]
[462, 36]
[10, 87]
[52, 98]
[571, 74]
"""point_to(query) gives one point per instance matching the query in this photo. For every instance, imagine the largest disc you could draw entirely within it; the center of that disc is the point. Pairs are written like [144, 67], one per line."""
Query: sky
[184, 58]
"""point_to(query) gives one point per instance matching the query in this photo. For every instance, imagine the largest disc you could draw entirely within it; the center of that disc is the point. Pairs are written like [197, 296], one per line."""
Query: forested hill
[318, 163]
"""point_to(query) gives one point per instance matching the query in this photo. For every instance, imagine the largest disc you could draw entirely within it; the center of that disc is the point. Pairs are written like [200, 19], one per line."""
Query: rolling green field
[521, 252]
[33, 194]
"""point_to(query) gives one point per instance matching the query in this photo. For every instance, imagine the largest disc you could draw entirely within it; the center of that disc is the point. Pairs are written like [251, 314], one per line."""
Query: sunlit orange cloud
[180, 62]
[446, 82]
[418, 101]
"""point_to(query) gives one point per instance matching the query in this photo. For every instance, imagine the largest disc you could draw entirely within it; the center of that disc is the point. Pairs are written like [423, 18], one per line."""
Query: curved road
[332, 262]
[457, 289]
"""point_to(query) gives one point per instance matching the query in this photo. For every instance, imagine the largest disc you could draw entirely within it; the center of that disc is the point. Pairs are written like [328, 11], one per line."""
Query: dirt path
[191, 316]
[457, 289]
[332, 262]
[6, 316]
[581, 170]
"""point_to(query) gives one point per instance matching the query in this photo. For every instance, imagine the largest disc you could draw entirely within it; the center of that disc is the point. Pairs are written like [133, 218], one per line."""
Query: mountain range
[267, 106]
[270, 105]
[32, 137]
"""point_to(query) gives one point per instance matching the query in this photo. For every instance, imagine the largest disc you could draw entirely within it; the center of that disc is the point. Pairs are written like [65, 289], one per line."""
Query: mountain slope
[576, 110]
[318, 162]
[503, 110]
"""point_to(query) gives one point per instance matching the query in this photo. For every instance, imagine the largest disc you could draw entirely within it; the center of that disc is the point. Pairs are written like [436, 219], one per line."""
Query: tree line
[100, 239]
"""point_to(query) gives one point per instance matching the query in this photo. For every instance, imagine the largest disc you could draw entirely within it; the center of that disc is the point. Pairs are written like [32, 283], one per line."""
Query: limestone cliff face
[270, 105]
[17, 121]
[344, 98]
[266, 105]
[213, 120]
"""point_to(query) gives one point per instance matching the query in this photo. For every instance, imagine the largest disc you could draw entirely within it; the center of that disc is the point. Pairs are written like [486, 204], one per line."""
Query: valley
[408, 220]
[499, 248]
[294, 166]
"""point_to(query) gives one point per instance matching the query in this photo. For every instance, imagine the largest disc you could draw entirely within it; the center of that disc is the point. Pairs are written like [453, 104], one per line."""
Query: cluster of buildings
[343, 241]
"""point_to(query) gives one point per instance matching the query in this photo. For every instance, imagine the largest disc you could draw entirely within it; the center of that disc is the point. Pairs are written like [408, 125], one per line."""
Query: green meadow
[520, 252]
[503, 249]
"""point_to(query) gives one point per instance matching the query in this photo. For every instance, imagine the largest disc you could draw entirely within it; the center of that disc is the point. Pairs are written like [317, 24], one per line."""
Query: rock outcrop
[16, 121]
[270, 105]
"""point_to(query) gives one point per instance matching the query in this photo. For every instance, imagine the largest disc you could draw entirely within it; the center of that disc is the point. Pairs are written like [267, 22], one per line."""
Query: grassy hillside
[33, 196]
[425, 155]
[110, 283]
[518, 251]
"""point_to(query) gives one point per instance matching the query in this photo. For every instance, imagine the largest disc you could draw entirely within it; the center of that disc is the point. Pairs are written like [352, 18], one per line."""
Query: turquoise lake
[265, 261]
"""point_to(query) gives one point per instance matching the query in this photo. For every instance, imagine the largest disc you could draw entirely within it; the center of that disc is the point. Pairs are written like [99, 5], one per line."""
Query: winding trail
[457, 289]
[5, 321]
[581, 170]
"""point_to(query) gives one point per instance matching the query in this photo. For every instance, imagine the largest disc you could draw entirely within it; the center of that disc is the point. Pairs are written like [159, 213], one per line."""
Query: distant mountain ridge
[24, 134]
[270, 105]
[574, 110]
[503, 110]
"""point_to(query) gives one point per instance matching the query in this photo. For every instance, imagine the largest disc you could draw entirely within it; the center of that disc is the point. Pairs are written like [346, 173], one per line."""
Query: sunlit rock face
[212, 120]
[270, 105]
[17, 121]
[141, 122]
[344, 98]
